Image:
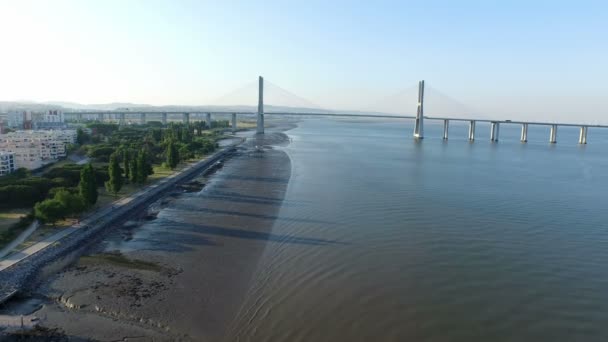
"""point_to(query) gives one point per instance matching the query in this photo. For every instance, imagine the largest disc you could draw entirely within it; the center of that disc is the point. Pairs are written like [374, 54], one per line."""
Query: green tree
[142, 167]
[134, 175]
[49, 211]
[72, 203]
[186, 135]
[88, 185]
[184, 152]
[114, 184]
[81, 136]
[126, 156]
[172, 155]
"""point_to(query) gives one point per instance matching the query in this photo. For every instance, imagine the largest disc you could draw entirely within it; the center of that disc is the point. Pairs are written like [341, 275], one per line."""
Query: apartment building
[50, 119]
[34, 149]
[7, 163]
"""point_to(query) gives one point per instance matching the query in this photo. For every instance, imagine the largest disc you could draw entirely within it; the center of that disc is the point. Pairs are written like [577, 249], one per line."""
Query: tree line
[129, 153]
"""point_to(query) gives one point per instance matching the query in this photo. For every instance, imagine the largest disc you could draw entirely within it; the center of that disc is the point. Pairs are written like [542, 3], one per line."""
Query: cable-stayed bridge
[276, 101]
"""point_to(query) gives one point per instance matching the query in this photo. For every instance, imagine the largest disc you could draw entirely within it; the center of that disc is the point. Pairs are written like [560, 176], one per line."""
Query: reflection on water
[434, 241]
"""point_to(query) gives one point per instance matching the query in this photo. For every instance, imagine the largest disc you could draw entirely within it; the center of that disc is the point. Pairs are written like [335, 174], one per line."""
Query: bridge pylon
[419, 127]
[260, 123]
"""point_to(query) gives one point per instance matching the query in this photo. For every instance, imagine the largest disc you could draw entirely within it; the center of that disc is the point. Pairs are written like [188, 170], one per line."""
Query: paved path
[20, 255]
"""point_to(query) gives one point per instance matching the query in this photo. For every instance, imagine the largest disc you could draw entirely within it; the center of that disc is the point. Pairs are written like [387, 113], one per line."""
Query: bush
[53, 192]
[49, 211]
[72, 203]
[20, 196]
[69, 172]
[100, 152]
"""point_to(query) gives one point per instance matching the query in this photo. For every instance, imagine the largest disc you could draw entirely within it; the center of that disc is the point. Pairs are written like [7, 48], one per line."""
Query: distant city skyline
[528, 60]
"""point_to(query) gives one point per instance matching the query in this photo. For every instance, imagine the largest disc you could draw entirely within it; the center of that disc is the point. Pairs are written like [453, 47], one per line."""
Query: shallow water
[434, 240]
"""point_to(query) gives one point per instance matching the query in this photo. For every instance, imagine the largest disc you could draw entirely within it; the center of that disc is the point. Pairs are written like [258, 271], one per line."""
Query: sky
[537, 60]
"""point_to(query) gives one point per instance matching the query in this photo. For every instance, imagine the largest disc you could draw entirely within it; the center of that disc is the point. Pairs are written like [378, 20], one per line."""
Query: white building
[34, 149]
[7, 163]
[53, 116]
[19, 119]
[51, 119]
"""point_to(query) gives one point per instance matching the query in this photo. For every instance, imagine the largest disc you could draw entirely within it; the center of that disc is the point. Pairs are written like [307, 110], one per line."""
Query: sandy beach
[179, 270]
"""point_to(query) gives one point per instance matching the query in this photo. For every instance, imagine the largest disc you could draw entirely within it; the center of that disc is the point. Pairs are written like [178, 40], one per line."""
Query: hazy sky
[534, 59]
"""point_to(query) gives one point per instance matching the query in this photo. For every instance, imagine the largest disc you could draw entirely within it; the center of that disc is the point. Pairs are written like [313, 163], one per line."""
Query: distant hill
[6, 106]
[102, 106]
[71, 106]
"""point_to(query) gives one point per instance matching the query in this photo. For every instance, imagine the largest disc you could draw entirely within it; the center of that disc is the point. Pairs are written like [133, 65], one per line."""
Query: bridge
[419, 118]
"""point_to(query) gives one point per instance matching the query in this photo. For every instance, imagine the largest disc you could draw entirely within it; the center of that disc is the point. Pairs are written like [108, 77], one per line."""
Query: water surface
[435, 240]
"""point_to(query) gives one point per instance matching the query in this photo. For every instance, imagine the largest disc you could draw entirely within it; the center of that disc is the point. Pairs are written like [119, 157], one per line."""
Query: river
[435, 240]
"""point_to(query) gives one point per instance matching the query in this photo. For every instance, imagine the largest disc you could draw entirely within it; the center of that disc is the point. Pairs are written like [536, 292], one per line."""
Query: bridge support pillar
[471, 130]
[142, 118]
[123, 119]
[208, 120]
[446, 128]
[260, 123]
[233, 122]
[164, 119]
[494, 130]
[524, 132]
[80, 117]
[100, 117]
[582, 139]
[186, 118]
[419, 126]
[553, 134]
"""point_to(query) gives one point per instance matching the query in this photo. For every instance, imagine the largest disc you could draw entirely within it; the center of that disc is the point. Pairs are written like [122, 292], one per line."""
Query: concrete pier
[446, 128]
[582, 139]
[471, 130]
[100, 117]
[164, 119]
[208, 120]
[186, 118]
[553, 134]
[494, 131]
[123, 119]
[419, 125]
[79, 117]
[142, 118]
[233, 122]
[524, 132]
[260, 123]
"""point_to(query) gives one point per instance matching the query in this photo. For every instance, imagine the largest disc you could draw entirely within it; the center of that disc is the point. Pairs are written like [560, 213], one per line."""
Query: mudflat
[179, 271]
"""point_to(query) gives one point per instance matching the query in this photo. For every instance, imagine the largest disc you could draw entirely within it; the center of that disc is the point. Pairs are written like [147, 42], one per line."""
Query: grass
[159, 173]
[119, 260]
[245, 124]
[10, 217]
[10, 233]
[106, 198]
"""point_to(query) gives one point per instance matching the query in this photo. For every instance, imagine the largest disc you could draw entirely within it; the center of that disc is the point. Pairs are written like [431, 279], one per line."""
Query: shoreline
[16, 273]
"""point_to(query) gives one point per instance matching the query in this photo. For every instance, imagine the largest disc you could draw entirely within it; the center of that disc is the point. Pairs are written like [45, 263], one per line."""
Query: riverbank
[19, 268]
[180, 269]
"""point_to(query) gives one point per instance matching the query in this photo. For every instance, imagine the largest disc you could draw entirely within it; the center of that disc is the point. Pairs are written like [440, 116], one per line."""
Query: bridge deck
[337, 114]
